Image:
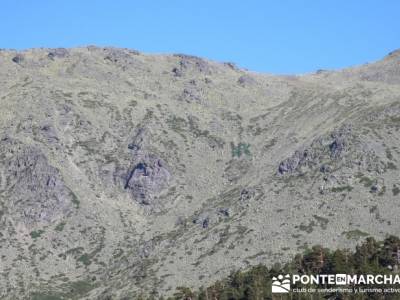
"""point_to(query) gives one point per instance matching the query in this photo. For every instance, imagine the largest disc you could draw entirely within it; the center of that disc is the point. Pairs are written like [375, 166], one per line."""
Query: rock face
[123, 173]
[146, 178]
[189, 63]
[57, 53]
[18, 58]
[332, 147]
[33, 189]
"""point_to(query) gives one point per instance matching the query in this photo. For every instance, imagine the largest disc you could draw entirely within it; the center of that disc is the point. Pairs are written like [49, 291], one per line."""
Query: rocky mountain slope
[123, 173]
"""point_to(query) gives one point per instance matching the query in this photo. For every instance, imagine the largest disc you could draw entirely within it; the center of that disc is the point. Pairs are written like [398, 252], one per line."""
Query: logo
[281, 284]
[341, 279]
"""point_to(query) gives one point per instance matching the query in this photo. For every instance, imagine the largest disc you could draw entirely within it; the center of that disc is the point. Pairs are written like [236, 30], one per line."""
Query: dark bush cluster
[370, 257]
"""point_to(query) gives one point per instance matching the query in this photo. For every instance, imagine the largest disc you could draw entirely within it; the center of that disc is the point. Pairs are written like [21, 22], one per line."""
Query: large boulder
[146, 178]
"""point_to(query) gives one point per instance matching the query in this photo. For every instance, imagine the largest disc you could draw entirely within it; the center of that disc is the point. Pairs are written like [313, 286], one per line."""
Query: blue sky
[267, 36]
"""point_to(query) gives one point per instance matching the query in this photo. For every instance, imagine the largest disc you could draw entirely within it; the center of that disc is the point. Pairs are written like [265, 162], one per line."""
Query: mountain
[123, 173]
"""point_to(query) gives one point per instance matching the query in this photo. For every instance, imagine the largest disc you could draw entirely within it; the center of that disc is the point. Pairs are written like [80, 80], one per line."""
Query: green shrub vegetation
[36, 234]
[240, 149]
[60, 226]
[367, 181]
[341, 189]
[85, 259]
[70, 291]
[395, 190]
[391, 166]
[355, 234]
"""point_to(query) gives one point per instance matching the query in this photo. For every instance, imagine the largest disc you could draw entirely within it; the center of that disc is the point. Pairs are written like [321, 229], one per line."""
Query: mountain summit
[123, 173]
